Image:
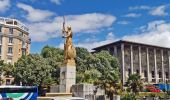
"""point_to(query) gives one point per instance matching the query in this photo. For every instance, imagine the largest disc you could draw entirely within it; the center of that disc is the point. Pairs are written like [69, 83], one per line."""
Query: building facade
[14, 40]
[150, 61]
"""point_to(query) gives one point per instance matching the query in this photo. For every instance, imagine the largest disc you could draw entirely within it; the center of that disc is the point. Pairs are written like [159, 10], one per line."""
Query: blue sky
[94, 22]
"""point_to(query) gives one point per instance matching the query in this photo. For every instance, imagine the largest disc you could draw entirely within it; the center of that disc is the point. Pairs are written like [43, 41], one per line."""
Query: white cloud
[4, 5]
[35, 14]
[90, 22]
[142, 7]
[154, 11]
[90, 45]
[56, 1]
[85, 23]
[133, 15]
[159, 11]
[123, 22]
[156, 33]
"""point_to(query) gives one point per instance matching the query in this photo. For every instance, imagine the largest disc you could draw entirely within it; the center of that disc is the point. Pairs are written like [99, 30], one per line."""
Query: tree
[134, 83]
[81, 59]
[32, 70]
[86, 69]
[54, 57]
[89, 76]
[103, 65]
[6, 70]
[108, 65]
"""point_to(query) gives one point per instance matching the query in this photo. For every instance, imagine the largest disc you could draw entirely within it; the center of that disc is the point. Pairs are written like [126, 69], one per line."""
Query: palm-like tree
[111, 83]
[134, 83]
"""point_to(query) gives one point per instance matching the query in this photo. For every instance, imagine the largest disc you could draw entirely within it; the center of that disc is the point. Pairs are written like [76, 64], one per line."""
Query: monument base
[67, 78]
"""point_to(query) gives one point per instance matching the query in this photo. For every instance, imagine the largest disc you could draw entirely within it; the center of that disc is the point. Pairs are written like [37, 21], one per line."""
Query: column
[131, 58]
[147, 60]
[123, 63]
[162, 64]
[169, 63]
[115, 50]
[155, 64]
[140, 64]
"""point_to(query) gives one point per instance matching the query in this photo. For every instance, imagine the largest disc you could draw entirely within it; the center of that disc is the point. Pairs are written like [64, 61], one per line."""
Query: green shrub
[129, 97]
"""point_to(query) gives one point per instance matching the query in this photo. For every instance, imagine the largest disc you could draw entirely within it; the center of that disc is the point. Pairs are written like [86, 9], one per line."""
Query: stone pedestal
[67, 78]
[86, 90]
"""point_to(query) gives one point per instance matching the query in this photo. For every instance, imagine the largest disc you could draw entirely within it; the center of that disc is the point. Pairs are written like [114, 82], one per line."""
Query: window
[160, 74]
[23, 52]
[10, 40]
[167, 75]
[10, 30]
[23, 44]
[137, 71]
[145, 73]
[9, 59]
[0, 49]
[129, 71]
[153, 74]
[7, 81]
[20, 34]
[0, 39]
[10, 50]
[0, 28]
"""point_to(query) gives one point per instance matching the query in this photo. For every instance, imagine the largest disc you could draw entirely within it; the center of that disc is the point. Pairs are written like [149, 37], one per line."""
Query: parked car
[152, 88]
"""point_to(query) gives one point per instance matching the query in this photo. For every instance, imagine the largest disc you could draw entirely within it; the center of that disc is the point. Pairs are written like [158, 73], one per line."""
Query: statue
[69, 50]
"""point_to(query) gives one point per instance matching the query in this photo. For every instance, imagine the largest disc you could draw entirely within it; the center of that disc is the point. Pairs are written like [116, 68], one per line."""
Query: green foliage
[130, 96]
[82, 58]
[100, 68]
[54, 57]
[86, 67]
[6, 68]
[134, 83]
[32, 70]
[109, 67]
[89, 76]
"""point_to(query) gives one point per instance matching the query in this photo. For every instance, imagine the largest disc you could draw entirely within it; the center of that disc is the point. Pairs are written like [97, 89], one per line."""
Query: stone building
[150, 61]
[14, 40]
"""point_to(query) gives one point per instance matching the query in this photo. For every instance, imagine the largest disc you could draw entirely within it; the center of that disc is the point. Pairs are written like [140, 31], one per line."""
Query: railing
[160, 80]
[13, 22]
[27, 39]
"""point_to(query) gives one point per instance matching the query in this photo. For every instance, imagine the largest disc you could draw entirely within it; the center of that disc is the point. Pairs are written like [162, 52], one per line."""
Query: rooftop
[130, 42]
[13, 22]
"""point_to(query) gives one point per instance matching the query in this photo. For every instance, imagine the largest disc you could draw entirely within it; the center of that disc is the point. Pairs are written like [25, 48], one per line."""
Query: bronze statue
[69, 50]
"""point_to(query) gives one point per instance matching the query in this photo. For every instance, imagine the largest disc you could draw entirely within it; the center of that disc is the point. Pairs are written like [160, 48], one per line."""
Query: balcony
[27, 39]
[9, 54]
[160, 80]
[10, 44]
[14, 23]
